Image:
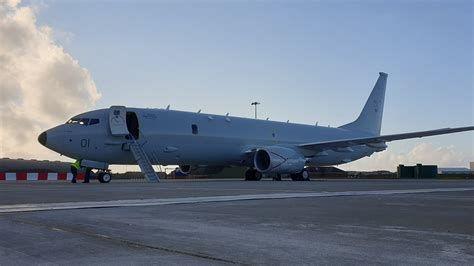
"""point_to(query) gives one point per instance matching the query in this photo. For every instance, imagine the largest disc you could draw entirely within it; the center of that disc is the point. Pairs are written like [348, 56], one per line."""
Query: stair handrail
[144, 156]
[155, 159]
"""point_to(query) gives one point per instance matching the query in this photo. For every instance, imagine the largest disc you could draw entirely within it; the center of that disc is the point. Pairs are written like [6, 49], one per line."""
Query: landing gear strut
[253, 175]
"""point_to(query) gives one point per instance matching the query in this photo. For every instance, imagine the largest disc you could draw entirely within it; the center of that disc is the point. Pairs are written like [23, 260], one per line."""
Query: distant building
[417, 171]
[471, 165]
[455, 171]
[327, 172]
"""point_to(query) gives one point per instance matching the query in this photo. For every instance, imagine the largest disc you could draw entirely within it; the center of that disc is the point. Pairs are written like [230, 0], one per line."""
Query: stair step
[142, 160]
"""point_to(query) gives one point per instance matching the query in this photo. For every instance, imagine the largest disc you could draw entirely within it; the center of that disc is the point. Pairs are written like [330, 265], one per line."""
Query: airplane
[207, 143]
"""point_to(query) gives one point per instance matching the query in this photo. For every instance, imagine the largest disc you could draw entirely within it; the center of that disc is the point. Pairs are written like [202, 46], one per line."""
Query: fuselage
[200, 142]
[178, 138]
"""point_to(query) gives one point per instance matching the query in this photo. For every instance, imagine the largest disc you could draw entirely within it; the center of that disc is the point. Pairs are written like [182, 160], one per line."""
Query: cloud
[40, 84]
[424, 153]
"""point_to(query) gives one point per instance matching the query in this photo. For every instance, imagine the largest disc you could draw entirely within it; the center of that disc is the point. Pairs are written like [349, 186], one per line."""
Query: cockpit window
[83, 121]
[75, 120]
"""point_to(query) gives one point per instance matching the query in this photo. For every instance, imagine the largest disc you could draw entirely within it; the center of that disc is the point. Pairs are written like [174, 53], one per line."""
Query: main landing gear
[301, 176]
[254, 175]
[277, 178]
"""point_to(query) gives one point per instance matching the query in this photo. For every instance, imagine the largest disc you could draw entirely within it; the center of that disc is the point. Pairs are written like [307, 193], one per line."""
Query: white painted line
[170, 201]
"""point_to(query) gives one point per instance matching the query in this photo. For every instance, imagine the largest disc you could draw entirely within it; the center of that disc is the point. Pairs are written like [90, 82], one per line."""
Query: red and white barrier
[43, 176]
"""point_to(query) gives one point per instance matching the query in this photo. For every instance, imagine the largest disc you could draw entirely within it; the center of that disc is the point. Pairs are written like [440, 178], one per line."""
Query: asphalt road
[371, 227]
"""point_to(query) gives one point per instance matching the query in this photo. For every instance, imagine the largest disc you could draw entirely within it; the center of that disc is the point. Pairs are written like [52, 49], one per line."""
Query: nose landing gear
[104, 176]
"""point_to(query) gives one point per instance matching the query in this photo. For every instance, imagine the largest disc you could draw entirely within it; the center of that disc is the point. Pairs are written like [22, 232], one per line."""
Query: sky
[305, 61]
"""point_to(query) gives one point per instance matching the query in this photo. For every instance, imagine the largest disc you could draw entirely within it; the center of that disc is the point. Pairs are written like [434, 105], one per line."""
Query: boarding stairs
[142, 160]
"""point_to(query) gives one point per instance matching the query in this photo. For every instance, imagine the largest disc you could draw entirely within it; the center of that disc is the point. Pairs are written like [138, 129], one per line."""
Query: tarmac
[235, 222]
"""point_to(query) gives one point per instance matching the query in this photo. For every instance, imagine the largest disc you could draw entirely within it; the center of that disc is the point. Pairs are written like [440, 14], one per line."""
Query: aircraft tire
[295, 177]
[104, 177]
[249, 175]
[252, 175]
[305, 175]
[257, 175]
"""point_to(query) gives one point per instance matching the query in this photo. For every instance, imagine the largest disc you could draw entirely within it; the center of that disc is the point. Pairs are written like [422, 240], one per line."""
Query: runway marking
[401, 229]
[190, 200]
[127, 242]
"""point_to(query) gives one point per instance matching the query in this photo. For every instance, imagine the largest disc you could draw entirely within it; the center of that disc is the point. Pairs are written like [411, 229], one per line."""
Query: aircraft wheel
[249, 175]
[295, 177]
[252, 175]
[257, 175]
[277, 177]
[104, 177]
[305, 175]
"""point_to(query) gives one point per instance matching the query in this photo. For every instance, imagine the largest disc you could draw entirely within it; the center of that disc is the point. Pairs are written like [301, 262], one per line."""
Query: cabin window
[194, 129]
[94, 121]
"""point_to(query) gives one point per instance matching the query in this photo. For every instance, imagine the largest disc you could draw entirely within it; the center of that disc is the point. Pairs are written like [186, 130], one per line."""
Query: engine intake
[281, 160]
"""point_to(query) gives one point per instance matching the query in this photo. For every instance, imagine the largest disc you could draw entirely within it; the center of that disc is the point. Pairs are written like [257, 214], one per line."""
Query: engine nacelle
[200, 169]
[281, 160]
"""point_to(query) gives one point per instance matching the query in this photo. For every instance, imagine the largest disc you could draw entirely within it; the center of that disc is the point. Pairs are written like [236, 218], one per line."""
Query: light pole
[255, 103]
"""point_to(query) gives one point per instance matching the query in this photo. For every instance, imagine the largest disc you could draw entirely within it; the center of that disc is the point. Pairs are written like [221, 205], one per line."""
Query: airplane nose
[42, 138]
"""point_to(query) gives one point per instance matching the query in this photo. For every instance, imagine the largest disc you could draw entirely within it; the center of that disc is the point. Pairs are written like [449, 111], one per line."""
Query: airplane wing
[374, 141]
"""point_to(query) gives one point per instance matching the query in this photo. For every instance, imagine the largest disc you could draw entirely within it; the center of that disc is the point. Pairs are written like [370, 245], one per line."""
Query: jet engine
[200, 169]
[281, 160]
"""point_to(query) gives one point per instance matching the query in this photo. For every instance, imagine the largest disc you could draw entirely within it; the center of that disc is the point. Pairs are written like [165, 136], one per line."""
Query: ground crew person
[87, 176]
[75, 166]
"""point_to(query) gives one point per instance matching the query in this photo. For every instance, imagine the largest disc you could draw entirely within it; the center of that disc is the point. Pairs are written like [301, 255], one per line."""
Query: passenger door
[118, 121]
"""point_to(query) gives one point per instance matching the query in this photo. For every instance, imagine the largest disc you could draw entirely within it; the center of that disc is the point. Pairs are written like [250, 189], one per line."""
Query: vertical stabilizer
[370, 119]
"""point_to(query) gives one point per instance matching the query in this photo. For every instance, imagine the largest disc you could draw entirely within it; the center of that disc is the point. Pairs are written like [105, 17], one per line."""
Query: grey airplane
[207, 143]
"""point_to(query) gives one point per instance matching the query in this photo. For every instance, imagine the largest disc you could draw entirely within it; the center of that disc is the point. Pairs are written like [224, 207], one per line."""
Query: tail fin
[370, 119]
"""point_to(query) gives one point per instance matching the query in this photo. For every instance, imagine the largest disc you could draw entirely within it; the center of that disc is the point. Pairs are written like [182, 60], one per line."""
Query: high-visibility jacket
[76, 164]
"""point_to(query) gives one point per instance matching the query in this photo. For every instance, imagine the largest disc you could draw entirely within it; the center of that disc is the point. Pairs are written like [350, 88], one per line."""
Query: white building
[455, 170]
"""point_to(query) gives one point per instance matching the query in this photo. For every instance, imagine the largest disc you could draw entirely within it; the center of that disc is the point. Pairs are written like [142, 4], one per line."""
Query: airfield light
[255, 103]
